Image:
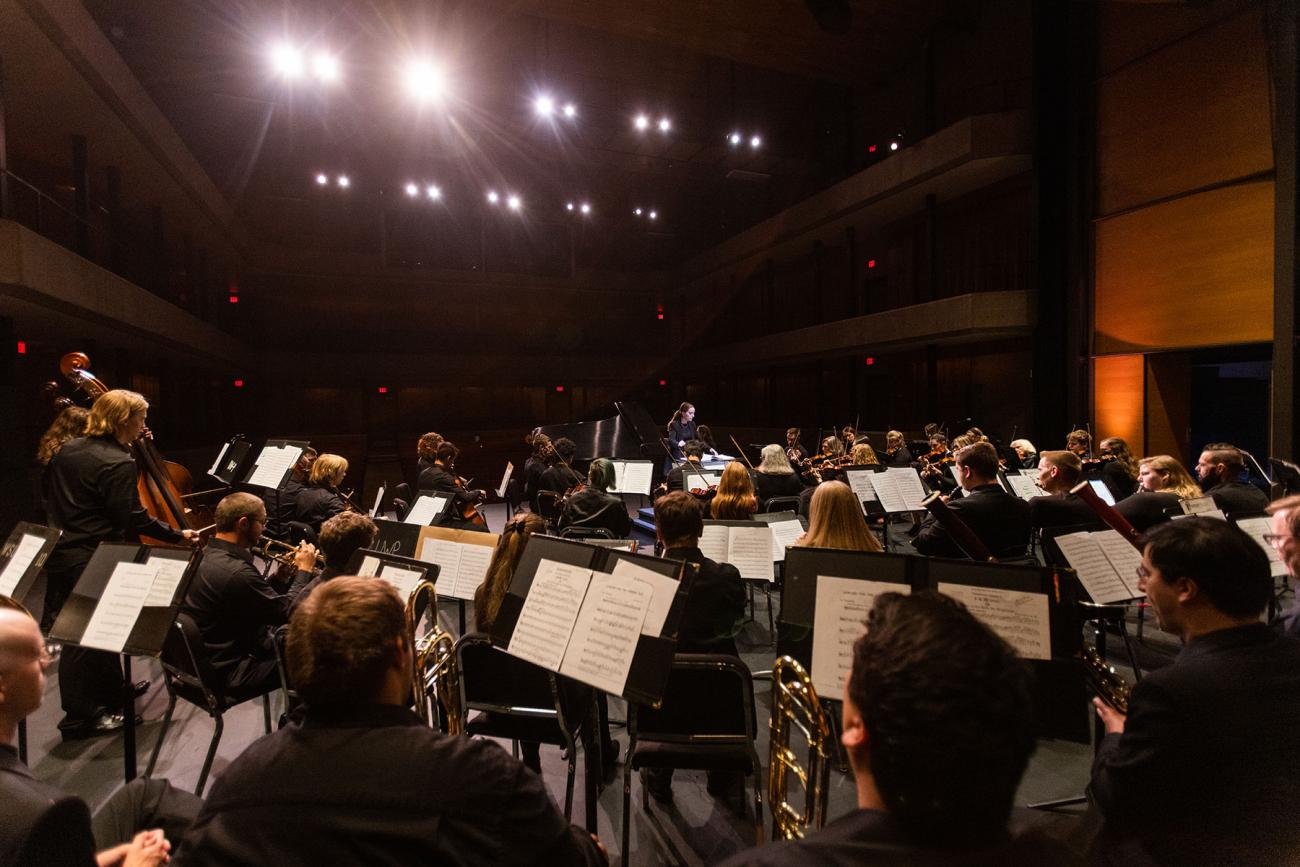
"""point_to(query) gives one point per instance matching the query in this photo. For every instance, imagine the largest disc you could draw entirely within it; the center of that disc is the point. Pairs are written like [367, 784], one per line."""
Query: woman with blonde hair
[735, 499]
[774, 476]
[897, 454]
[1163, 483]
[863, 455]
[1165, 473]
[835, 520]
[320, 499]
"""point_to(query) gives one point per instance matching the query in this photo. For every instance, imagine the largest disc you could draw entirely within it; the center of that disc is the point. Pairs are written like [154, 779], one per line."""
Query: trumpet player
[234, 607]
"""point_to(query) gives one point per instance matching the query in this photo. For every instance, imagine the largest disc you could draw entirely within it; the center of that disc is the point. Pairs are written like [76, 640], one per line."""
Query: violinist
[442, 478]
[1080, 443]
[426, 450]
[735, 499]
[320, 500]
[594, 506]
[774, 476]
[849, 436]
[687, 475]
[863, 455]
[1118, 469]
[560, 476]
[92, 497]
[896, 452]
[934, 464]
[681, 430]
[794, 450]
[537, 463]
[1026, 452]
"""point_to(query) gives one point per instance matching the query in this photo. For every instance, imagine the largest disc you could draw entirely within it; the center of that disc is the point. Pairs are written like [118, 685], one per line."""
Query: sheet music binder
[151, 627]
[233, 460]
[397, 538]
[248, 471]
[49, 538]
[653, 658]
[359, 556]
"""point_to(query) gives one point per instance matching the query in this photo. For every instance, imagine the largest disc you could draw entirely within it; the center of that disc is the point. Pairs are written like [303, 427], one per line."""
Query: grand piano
[630, 434]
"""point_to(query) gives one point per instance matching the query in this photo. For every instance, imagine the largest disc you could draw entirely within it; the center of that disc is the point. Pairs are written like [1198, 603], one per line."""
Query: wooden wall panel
[1193, 114]
[1117, 398]
[1169, 403]
[1196, 271]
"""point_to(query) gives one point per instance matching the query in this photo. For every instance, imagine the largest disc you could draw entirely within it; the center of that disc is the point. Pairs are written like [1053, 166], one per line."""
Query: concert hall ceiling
[793, 72]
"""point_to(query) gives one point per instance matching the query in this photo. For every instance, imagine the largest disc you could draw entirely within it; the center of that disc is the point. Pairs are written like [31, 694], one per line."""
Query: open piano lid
[631, 434]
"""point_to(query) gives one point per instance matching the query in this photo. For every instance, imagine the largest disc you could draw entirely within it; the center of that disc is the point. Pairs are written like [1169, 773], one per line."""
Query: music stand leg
[1059, 802]
[128, 721]
[460, 603]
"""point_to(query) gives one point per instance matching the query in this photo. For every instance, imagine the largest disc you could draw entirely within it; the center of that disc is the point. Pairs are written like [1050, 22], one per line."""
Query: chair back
[301, 532]
[493, 680]
[184, 663]
[587, 533]
[780, 504]
[548, 505]
[709, 699]
[403, 490]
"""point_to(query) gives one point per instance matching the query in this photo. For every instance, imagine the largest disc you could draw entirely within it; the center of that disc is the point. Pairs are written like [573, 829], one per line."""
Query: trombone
[435, 676]
[795, 704]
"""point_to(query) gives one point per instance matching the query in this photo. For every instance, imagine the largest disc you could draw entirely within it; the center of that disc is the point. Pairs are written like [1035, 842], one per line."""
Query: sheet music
[1096, 572]
[1020, 618]
[1197, 505]
[838, 620]
[405, 580]
[24, 553]
[1102, 491]
[605, 635]
[446, 555]
[860, 481]
[891, 498]
[167, 577]
[663, 590]
[119, 606]
[714, 542]
[550, 610]
[1256, 528]
[784, 533]
[221, 455]
[1025, 487]
[505, 480]
[910, 487]
[370, 566]
[750, 551]
[474, 562]
[379, 499]
[272, 464]
[1208, 513]
[425, 509]
[632, 477]
[1123, 556]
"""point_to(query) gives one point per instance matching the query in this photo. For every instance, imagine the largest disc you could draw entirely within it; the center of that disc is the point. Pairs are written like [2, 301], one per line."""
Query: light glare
[412, 189]
[893, 145]
[433, 192]
[344, 181]
[642, 122]
[424, 81]
[492, 197]
[665, 124]
[326, 67]
[636, 211]
[734, 138]
[514, 203]
[322, 179]
[568, 206]
[755, 142]
[287, 60]
[570, 110]
[654, 215]
[586, 207]
[544, 106]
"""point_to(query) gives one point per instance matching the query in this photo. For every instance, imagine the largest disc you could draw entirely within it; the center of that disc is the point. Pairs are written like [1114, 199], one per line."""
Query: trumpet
[282, 552]
[435, 676]
[795, 704]
[1104, 680]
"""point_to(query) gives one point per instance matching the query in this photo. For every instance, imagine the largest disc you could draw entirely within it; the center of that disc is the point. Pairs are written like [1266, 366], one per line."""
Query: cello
[162, 484]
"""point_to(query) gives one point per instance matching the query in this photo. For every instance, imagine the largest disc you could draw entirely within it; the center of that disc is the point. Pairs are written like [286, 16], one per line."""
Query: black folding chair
[780, 504]
[706, 722]
[587, 533]
[189, 676]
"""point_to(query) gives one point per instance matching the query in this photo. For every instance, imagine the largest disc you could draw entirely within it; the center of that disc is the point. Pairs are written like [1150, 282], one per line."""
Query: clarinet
[960, 532]
[1107, 513]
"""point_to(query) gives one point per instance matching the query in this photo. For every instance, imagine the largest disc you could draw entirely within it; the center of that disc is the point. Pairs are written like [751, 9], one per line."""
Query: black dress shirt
[281, 508]
[1145, 509]
[899, 457]
[769, 485]
[91, 489]
[592, 507]
[1057, 510]
[559, 479]
[715, 607]
[235, 608]
[678, 432]
[40, 825]
[1117, 480]
[1000, 520]
[316, 504]
[373, 785]
[1234, 498]
[1208, 766]
[685, 476]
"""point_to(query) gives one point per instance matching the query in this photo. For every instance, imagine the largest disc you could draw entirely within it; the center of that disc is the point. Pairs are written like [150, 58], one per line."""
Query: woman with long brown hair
[505, 557]
[69, 423]
[835, 520]
[735, 499]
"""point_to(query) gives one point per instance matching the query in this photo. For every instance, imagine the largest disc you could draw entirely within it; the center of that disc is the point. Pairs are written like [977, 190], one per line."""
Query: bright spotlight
[412, 190]
[492, 197]
[586, 208]
[544, 105]
[654, 215]
[893, 145]
[636, 211]
[755, 141]
[514, 203]
[326, 67]
[570, 110]
[569, 206]
[424, 81]
[665, 124]
[287, 60]
[344, 181]
[642, 122]
[433, 192]
[322, 179]
[734, 138]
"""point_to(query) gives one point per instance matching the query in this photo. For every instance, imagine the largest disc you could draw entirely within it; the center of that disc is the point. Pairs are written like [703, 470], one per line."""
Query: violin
[468, 509]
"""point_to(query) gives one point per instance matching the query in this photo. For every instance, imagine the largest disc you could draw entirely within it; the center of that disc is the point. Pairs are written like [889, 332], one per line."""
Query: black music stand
[21, 557]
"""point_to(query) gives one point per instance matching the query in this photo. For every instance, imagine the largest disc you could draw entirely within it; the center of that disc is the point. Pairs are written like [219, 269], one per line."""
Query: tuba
[435, 676]
[795, 703]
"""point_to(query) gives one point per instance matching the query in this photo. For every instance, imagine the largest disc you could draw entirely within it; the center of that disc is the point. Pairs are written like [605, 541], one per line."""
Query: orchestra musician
[835, 520]
[1000, 520]
[832, 448]
[681, 430]
[560, 476]
[1026, 452]
[90, 486]
[706, 436]
[320, 500]
[849, 436]
[340, 538]
[735, 499]
[537, 463]
[1163, 484]
[68, 424]
[442, 478]
[594, 506]
[1118, 468]
[1284, 531]
[774, 477]
[687, 475]
[1058, 472]
[863, 455]
[282, 504]
[1222, 469]
[897, 453]
[1079, 442]
[426, 449]
[794, 450]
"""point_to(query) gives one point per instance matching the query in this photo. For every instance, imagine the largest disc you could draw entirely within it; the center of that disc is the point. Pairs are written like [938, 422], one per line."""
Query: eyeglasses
[50, 651]
[1143, 573]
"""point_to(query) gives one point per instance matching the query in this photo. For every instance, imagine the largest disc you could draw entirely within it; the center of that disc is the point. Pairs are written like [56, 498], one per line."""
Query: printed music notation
[1021, 619]
[403, 580]
[838, 621]
[119, 606]
[23, 555]
[272, 464]
[550, 610]
[749, 548]
[663, 589]
[606, 632]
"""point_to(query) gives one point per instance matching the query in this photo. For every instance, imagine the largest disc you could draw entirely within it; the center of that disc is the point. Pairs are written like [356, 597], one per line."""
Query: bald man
[39, 823]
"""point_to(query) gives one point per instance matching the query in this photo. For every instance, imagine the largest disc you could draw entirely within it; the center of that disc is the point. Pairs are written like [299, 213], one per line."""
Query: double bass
[162, 484]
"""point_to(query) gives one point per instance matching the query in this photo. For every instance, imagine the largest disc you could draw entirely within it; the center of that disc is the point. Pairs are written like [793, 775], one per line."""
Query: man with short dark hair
[560, 475]
[938, 727]
[340, 538]
[688, 474]
[234, 607]
[1221, 470]
[359, 779]
[998, 519]
[1205, 767]
[1058, 472]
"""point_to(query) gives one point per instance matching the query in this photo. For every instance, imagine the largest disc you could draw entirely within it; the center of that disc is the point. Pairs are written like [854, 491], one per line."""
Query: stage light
[326, 67]
[642, 122]
[234, 299]
[755, 141]
[433, 192]
[870, 360]
[514, 203]
[544, 105]
[424, 81]
[492, 197]
[570, 110]
[663, 382]
[412, 190]
[654, 215]
[659, 316]
[636, 211]
[893, 145]
[344, 181]
[322, 179]
[568, 206]
[665, 124]
[734, 138]
[287, 60]
[585, 208]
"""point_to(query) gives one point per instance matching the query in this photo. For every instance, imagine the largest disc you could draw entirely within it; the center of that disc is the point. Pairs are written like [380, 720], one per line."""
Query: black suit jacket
[769, 485]
[1208, 766]
[316, 504]
[715, 607]
[1000, 520]
[592, 507]
[685, 476]
[1238, 498]
[1145, 509]
[40, 825]
[1054, 510]
[372, 785]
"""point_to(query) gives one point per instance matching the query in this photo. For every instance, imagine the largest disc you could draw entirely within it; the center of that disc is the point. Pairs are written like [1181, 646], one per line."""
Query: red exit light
[22, 347]
[239, 383]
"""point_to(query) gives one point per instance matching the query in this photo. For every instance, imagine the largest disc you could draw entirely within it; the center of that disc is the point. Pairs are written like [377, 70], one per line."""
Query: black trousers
[90, 681]
[141, 805]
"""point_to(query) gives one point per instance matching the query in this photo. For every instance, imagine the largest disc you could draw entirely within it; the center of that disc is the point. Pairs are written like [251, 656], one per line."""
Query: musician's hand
[1111, 719]
[945, 497]
[190, 536]
[305, 557]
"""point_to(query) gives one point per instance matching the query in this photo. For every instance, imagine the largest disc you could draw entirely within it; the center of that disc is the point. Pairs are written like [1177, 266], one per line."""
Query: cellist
[92, 498]
[441, 477]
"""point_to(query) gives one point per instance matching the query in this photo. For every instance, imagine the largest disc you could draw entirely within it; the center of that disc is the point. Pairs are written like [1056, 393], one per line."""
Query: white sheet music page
[634, 477]
[24, 553]
[910, 487]
[425, 509]
[714, 542]
[1021, 619]
[838, 620]
[663, 590]
[550, 610]
[1025, 487]
[404, 580]
[212, 471]
[379, 499]
[1123, 556]
[474, 562]
[167, 577]
[1256, 528]
[1096, 573]
[272, 464]
[606, 632]
[505, 480]
[119, 606]
[860, 481]
[784, 534]
[887, 491]
[370, 566]
[750, 551]
[446, 555]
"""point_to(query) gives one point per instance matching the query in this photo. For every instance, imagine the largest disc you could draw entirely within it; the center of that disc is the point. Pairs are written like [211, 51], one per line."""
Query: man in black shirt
[340, 538]
[359, 779]
[688, 475]
[560, 476]
[234, 607]
[1000, 520]
[90, 486]
[1221, 469]
[1058, 472]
